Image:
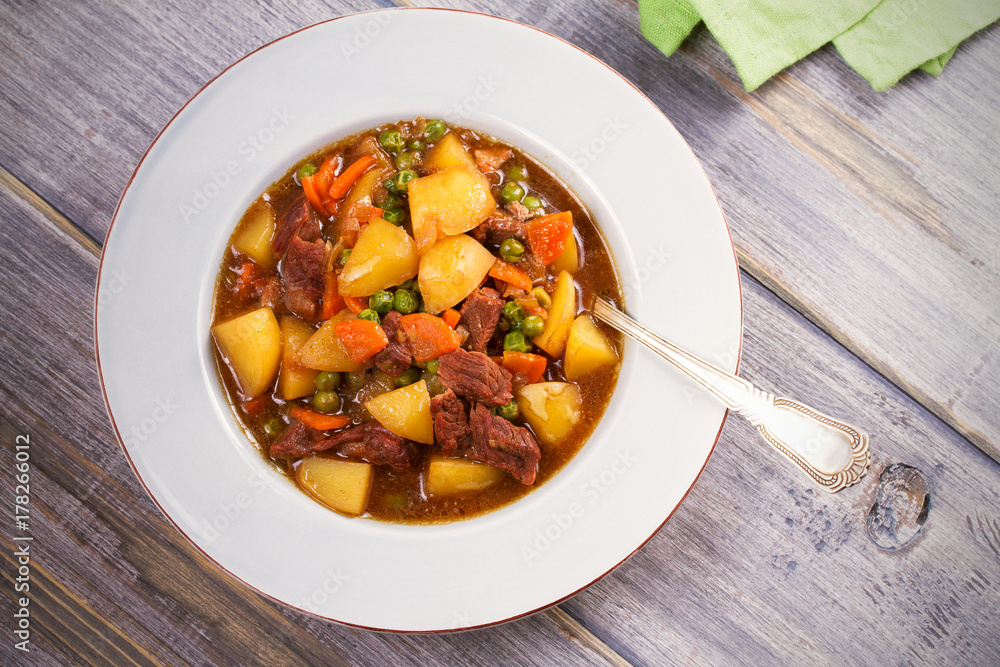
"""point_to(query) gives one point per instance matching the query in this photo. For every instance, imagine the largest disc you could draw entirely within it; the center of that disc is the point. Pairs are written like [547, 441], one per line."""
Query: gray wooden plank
[115, 582]
[758, 567]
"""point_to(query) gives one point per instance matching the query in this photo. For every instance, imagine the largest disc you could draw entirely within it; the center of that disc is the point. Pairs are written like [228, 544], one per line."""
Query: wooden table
[867, 227]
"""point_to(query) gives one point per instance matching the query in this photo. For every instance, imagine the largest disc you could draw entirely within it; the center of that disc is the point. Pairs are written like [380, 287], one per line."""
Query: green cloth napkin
[882, 40]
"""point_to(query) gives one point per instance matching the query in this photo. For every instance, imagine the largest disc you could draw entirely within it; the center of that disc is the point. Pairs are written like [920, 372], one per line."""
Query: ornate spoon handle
[833, 453]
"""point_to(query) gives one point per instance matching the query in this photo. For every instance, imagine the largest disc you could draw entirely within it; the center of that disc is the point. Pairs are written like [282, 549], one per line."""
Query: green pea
[509, 412]
[355, 380]
[432, 366]
[542, 297]
[370, 315]
[511, 250]
[532, 326]
[403, 178]
[404, 301]
[407, 160]
[327, 380]
[381, 302]
[326, 401]
[409, 376]
[391, 201]
[390, 185]
[434, 130]
[393, 215]
[272, 427]
[417, 145]
[531, 201]
[513, 311]
[515, 342]
[511, 192]
[308, 169]
[344, 256]
[517, 172]
[391, 140]
[408, 284]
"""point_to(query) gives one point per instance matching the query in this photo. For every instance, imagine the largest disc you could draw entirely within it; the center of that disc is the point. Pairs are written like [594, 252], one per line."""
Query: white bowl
[240, 133]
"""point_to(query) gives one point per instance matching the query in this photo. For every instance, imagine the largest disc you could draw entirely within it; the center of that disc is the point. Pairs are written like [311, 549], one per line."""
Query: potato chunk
[251, 345]
[383, 256]
[587, 349]
[340, 485]
[325, 352]
[406, 412]
[448, 202]
[451, 270]
[254, 240]
[295, 380]
[448, 152]
[551, 408]
[560, 319]
[569, 259]
[447, 477]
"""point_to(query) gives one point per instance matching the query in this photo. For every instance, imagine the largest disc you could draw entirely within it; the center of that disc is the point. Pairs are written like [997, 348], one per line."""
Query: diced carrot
[451, 317]
[254, 405]
[361, 338]
[430, 336]
[526, 368]
[507, 272]
[326, 173]
[547, 235]
[355, 303]
[375, 212]
[247, 273]
[318, 420]
[312, 194]
[333, 303]
[342, 184]
[531, 307]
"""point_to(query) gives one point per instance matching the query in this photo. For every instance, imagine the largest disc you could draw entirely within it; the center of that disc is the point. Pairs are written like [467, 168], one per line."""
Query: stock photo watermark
[231, 510]
[593, 149]
[22, 542]
[364, 35]
[589, 493]
[480, 91]
[334, 581]
[142, 431]
[247, 151]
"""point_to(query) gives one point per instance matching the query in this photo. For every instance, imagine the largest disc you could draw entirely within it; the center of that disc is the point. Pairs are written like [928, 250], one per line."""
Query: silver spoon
[832, 453]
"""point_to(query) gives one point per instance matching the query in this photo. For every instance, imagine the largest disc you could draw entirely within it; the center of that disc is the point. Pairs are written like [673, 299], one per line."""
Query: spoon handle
[831, 452]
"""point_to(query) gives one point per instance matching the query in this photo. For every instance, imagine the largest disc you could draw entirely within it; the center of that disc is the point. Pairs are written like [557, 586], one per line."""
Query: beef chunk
[451, 426]
[497, 442]
[518, 210]
[271, 295]
[480, 314]
[303, 270]
[372, 442]
[395, 357]
[475, 376]
[298, 219]
[295, 441]
[498, 228]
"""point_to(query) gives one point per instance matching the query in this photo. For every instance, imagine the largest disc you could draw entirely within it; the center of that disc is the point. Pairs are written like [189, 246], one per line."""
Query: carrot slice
[509, 273]
[526, 368]
[333, 303]
[326, 173]
[342, 184]
[312, 194]
[430, 336]
[318, 420]
[547, 235]
[355, 303]
[361, 338]
[451, 317]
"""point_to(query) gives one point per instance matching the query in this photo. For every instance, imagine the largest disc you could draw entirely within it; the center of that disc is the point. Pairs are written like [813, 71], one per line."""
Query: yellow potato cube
[338, 484]
[552, 409]
[447, 477]
[587, 349]
[324, 351]
[557, 326]
[251, 345]
[254, 239]
[448, 152]
[451, 270]
[383, 256]
[448, 202]
[294, 379]
[406, 412]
